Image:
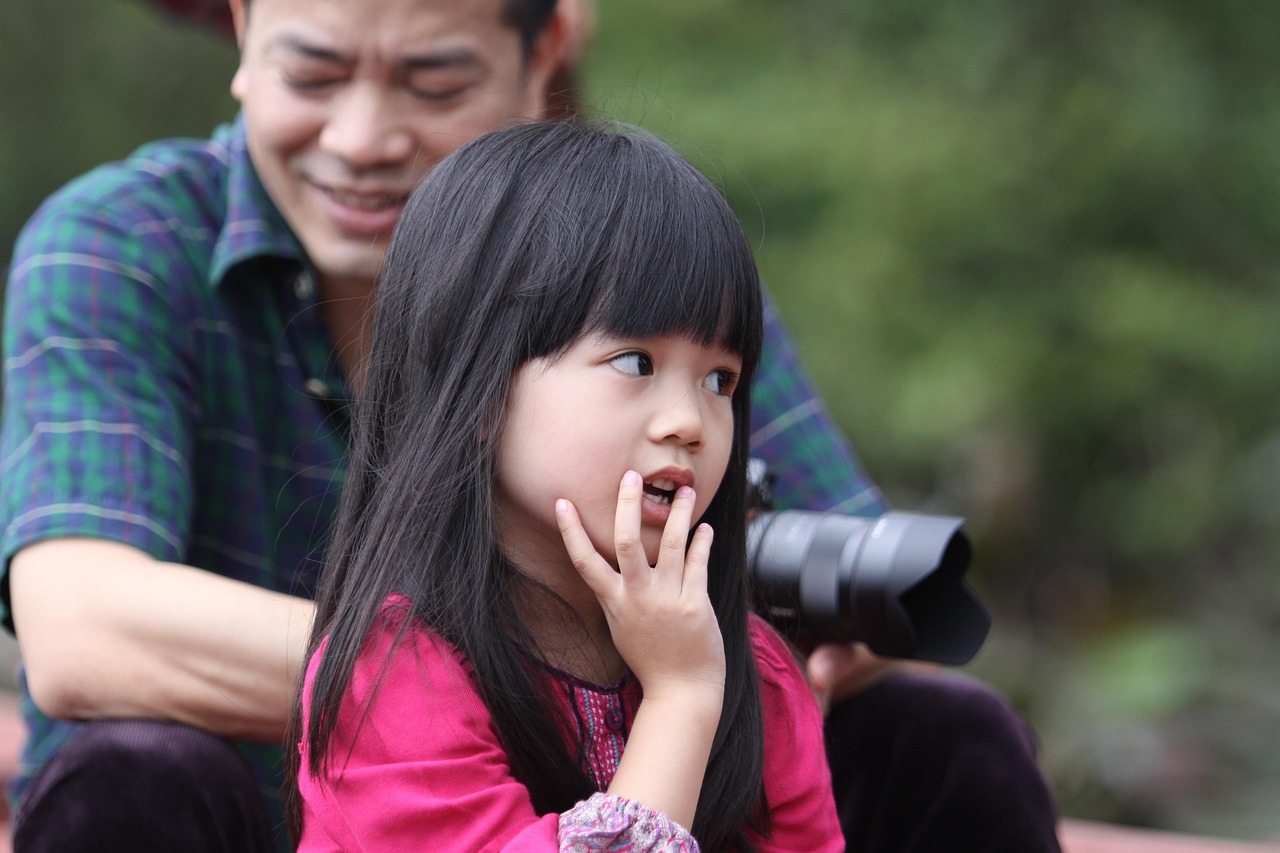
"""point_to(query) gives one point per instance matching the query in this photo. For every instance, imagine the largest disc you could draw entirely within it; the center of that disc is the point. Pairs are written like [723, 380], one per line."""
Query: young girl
[520, 644]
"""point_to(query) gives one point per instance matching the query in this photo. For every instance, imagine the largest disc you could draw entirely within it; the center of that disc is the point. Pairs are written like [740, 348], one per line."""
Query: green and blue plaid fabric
[168, 384]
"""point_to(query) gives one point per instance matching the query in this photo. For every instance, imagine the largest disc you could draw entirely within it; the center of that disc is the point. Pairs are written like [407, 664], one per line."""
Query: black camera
[894, 582]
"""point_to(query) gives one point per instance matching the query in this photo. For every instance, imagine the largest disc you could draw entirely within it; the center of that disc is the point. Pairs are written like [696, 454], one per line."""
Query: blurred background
[1031, 253]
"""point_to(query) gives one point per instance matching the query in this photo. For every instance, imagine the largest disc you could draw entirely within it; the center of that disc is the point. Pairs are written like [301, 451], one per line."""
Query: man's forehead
[401, 33]
[405, 16]
[452, 55]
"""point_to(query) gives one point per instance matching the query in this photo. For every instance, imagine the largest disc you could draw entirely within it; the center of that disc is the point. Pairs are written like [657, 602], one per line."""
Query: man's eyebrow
[453, 57]
[460, 57]
[299, 45]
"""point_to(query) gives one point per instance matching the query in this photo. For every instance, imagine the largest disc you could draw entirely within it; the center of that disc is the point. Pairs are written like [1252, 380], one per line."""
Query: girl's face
[659, 406]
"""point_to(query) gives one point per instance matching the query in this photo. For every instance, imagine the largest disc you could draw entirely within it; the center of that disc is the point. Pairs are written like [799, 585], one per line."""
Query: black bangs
[677, 262]
[654, 250]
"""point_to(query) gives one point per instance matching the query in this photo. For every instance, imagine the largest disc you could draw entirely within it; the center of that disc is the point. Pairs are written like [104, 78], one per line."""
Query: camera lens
[895, 582]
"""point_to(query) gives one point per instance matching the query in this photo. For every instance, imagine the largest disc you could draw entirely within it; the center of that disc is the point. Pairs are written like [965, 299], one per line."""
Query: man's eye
[436, 97]
[309, 83]
[438, 94]
[721, 382]
[437, 87]
[633, 364]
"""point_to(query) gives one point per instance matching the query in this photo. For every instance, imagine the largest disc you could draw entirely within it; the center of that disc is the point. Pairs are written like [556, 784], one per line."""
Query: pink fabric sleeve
[418, 766]
[797, 780]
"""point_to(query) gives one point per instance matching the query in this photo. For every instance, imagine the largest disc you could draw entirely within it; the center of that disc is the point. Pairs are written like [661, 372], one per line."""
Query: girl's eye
[633, 364]
[721, 382]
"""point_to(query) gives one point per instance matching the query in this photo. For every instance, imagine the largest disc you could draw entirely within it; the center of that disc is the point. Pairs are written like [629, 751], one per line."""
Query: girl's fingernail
[562, 506]
[684, 492]
[631, 478]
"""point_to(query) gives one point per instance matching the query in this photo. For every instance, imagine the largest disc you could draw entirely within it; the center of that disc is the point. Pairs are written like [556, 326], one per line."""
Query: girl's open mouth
[660, 491]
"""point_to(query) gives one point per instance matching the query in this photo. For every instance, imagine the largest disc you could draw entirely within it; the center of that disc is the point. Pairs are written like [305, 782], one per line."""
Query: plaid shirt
[168, 385]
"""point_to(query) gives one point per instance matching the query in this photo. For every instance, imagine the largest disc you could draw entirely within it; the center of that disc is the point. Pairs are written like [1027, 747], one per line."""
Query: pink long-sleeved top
[418, 765]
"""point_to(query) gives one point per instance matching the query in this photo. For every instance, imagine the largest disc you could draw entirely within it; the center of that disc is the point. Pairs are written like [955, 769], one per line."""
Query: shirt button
[613, 720]
[304, 286]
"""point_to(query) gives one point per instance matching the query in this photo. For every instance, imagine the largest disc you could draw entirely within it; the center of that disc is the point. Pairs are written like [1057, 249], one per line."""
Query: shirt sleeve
[418, 765]
[813, 465]
[797, 780]
[97, 416]
[606, 822]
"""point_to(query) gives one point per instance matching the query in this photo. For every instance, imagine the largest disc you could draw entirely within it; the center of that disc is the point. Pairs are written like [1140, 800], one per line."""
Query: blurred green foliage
[1030, 252]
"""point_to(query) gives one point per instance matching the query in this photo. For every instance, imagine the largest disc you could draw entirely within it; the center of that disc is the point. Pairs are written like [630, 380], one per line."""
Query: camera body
[894, 582]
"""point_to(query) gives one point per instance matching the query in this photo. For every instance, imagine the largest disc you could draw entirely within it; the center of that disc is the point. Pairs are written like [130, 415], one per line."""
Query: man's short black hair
[528, 18]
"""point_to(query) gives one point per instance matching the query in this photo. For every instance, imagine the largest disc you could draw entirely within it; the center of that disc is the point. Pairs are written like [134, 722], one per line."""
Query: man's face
[349, 103]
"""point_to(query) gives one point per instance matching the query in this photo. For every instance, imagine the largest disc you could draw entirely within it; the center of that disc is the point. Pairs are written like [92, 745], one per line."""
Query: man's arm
[108, 631]
[99, 500]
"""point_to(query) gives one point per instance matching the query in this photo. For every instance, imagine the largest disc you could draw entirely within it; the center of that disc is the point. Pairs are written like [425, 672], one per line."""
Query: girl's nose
[682, 421]
[364, 130]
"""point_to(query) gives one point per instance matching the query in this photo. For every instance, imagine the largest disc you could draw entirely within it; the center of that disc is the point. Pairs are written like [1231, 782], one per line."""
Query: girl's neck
[574, 647]
[577, 642]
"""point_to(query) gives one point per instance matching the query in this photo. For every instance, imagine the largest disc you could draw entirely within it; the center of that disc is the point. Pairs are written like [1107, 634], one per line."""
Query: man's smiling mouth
[365, 201]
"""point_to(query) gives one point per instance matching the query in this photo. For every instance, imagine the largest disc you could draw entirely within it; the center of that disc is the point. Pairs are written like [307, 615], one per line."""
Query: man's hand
[836, 671]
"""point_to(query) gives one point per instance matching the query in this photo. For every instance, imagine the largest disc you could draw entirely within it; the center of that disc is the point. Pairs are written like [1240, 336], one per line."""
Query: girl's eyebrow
[451, 57]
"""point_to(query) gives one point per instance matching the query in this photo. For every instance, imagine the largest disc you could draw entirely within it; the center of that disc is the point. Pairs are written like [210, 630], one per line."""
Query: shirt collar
[254, 228]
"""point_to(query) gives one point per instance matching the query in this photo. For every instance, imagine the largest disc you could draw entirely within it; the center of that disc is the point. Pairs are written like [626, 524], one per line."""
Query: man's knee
[943, 712]
[142, 784]
[937, 761]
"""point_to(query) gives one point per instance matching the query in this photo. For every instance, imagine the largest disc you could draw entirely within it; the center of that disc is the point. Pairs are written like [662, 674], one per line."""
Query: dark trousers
[937, 762]
[143, 785]
[920, 763]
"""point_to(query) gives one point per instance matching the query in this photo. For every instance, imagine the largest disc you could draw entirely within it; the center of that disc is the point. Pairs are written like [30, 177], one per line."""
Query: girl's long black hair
[514, 247]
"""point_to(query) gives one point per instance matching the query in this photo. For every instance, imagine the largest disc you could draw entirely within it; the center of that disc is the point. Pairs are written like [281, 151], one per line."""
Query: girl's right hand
[660, 616]
[662, 624]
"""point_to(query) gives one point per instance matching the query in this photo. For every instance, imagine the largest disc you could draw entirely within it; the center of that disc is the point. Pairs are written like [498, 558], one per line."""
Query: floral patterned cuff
[605, 822]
